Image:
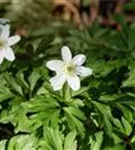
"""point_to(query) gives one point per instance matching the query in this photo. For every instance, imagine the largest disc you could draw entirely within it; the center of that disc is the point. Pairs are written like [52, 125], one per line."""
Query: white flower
[3, 20]
[68, 70]
[5, 43]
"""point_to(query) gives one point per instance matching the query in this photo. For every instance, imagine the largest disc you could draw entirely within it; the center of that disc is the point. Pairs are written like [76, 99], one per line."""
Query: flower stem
[67, 93]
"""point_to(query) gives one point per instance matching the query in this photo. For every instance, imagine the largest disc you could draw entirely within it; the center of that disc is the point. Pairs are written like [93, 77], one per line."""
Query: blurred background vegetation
[33, 15]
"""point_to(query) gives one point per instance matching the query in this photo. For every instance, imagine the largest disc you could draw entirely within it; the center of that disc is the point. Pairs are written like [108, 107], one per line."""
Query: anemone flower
[6, 42]
[68, 70]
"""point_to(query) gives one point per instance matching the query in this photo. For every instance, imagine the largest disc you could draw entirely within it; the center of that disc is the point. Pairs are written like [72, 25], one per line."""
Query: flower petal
[58, 81]
[79, 59]
[74, 82]
[1, 56]
[13, 40]
[5, 31]
[55, 65]
[66, 54]
[9, 54]
[83, 71]
[1, 29]
[4, 20]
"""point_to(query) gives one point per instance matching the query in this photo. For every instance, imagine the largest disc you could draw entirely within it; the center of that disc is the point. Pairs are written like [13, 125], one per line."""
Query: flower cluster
[68, 70]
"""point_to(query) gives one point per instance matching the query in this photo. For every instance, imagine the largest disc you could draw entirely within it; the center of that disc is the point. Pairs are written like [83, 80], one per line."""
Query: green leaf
[81, 91]
[74, 118]
[16, 114]
[5, 93]
[54, 138]
[126, 112]
[33, 78]
[108, 126]
[70, 142]
[12, 82]
[127, 126]
[119, 125]
[106, 112]
[116, 138]
[21, 81]
[123, 126]
[76, 103]
[103, 108]
[130, 82]
[132, 139]
[3, 145]
[43, 110]
[44, 44]
[96, 141]
[23, 142]
[75, 112]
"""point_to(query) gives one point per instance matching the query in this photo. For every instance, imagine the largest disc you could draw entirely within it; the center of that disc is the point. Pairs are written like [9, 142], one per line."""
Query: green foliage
[54, 139]
[96, 144]
[20, 142]
[99, 116]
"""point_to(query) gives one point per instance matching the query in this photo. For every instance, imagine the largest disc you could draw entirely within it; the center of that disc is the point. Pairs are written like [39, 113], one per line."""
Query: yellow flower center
[2, 43]
[70, 68]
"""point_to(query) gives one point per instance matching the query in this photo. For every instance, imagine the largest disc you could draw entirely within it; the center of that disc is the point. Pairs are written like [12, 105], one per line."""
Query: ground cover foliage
[99, 116]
